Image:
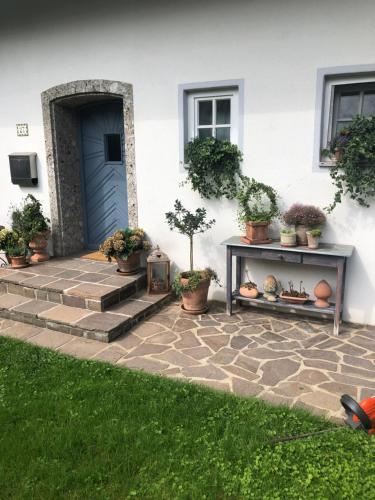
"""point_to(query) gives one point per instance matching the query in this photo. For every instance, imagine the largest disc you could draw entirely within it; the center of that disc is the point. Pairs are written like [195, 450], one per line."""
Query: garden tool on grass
[358, 416]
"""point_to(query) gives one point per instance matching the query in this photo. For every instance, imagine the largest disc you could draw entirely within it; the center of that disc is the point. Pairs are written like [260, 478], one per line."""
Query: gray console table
[327, 255]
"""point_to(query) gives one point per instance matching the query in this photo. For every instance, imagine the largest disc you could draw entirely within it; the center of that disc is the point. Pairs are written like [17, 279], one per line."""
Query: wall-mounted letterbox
[23, 169]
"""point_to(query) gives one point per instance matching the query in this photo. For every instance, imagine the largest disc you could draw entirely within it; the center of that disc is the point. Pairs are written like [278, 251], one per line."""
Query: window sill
[327, 163]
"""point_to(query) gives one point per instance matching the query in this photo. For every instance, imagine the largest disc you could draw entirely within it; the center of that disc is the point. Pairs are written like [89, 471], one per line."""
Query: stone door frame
[63, 156]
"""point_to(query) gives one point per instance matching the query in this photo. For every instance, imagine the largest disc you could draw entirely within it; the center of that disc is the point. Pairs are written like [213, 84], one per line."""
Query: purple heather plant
[308, 215]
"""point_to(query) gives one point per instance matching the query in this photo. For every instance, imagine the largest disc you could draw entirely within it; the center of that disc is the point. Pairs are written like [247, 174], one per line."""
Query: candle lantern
[158, 272]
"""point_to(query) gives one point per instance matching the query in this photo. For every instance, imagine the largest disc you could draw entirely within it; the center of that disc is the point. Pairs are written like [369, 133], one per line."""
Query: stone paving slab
[303, 366]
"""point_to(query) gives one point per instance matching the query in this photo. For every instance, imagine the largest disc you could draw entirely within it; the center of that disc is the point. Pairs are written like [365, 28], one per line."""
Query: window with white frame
[213, 114]
[344, 98]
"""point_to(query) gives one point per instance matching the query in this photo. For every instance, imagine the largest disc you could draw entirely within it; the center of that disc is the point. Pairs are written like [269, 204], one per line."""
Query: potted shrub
[126, 246]
[213, 167]
[29, 221]
[303, 217]
[257, 207]
[287, 237]
[16, 250]
[293, 296]
[191, 285]
[313, 238]
[6, 241]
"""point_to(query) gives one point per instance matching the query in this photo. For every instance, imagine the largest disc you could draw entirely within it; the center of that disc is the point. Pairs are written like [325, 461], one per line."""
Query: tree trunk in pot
[195, 302]
[301, 234]
[130, 265]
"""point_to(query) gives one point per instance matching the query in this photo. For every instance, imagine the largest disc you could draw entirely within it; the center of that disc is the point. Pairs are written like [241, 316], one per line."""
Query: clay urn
[322, 293]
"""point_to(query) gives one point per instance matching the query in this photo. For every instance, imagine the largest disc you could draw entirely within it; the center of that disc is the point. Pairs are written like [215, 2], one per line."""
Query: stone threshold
[81, 322]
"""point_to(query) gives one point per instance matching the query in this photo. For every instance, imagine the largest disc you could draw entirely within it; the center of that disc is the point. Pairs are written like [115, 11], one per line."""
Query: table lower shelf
[307, 308]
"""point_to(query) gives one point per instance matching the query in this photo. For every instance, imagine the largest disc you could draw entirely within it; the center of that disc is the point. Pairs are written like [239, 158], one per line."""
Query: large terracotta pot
[195, 302]
[257, 232]
[38, 245]
[18, 262]
[301, 234]
[130, 265]
[322, 292]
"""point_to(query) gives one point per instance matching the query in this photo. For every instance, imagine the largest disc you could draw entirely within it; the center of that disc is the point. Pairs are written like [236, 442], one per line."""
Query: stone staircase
[76, 296]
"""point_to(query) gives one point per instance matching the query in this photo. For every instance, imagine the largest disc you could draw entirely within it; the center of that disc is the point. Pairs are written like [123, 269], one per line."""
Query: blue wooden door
[103, 171]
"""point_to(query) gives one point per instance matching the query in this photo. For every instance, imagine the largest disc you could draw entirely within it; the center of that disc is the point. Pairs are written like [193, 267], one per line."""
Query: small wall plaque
[22, 129]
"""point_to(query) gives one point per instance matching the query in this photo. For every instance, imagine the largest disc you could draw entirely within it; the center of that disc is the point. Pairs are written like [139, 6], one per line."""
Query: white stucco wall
[276, 47]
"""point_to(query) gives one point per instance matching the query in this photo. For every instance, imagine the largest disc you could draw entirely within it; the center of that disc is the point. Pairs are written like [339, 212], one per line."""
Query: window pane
[223, 111]
[369, 103]
[342, 125]
[112, 147]
[205, 113]
[348, 105]
[223, 133]
[204, 132]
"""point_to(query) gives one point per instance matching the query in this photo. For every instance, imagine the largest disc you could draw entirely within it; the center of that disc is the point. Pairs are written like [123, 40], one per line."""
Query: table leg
[238, 276]
[340, 281]
[229, 280]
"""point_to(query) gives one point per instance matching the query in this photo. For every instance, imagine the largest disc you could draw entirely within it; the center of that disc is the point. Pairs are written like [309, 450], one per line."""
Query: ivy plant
[354, 172]
[213, 167]
[257, 201]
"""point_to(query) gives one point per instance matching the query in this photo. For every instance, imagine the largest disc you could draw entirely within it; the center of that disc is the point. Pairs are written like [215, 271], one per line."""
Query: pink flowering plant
[307, 215]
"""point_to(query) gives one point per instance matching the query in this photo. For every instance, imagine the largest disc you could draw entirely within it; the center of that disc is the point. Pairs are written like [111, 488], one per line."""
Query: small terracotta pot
[312, 241]
[250, 293]
[301, 234]
[18, 262]
[196, 302]
[288, 240]
[257, 232]
[130, 265]
[322, 292]
[293, 300]
[338, 153]
[38, 245]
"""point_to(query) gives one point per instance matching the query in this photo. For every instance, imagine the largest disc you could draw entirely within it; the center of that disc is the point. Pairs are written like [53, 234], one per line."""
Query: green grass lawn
[88, 430]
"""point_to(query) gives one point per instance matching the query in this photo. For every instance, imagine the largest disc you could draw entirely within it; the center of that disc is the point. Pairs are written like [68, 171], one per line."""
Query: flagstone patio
[282, 359]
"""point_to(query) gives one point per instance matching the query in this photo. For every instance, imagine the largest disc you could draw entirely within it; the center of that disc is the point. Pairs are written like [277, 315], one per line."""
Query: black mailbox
[23, 169]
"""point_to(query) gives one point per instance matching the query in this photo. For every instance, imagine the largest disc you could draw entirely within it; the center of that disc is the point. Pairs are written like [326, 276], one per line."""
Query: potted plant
[29, 221]
[293, 296]
[287, 237]
[257, 207]
[213, 167]
[191, 285]
[303, 217]
[313, 238]
[6, 241]
[16, 250]
[125, 246]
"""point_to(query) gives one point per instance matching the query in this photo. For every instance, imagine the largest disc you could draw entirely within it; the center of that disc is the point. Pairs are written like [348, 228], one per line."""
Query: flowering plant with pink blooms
[307, 215]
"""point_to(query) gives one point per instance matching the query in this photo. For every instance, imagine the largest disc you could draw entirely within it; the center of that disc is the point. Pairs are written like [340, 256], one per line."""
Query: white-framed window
[344, 98]
[213, 114]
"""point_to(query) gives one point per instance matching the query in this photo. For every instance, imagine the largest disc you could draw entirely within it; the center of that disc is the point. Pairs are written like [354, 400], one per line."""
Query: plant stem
[191, 252]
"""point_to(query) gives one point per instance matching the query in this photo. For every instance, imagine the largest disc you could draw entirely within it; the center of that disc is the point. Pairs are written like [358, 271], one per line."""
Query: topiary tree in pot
[191, 285]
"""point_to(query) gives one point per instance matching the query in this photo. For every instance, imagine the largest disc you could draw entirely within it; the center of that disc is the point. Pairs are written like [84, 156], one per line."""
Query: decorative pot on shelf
[288, 239]
[256, 233]
[18, 262]
[301, 234]
[270, 287]
[131, 265]
[195, 302]
[250, 293]
[322, 293]
[312, 241]
[38, 245]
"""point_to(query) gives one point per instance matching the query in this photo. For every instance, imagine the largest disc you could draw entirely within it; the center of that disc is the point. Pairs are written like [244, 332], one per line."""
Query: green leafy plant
[28, 219]
[213, 167]
[354, 172]
[307, 215]
[257, 201]
[12, 243]
[124, 243]
[287, 231]
[315, 233]
[194, 279]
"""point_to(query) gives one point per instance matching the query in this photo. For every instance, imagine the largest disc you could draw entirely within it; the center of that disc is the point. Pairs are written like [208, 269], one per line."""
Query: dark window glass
[112, 147]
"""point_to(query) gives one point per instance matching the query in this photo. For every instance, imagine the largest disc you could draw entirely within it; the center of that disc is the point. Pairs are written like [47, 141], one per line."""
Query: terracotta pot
[196, 302]
[301, 234]
[322, 292]
[250, 293]
[338, 153]
[293, 300]
[130, 265]
[312, 241]
[38, 245]
[257, 232]
[288, 240]
[18, 262]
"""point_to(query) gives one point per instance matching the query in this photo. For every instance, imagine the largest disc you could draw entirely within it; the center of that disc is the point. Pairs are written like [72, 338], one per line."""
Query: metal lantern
[158, 272]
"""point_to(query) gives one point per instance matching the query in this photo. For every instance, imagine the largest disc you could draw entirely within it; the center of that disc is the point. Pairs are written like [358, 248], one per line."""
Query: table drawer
[281, 256]
[320, 260]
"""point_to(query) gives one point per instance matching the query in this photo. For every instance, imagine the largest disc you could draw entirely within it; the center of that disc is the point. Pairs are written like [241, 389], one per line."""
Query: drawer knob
[281, 256]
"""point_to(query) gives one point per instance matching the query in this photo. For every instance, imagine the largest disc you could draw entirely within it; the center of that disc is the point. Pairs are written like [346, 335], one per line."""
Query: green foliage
[195, 278]
[11, 243]
[257, 201]
[213, 167]
[315, 233]
[188, 223]
[354, 173]
[287, 231]
[28, 219]
[124, 242]
[75, 429]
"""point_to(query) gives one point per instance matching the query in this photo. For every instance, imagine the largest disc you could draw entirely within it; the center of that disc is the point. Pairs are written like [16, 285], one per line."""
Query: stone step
[82, 322]
[73, 282]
